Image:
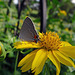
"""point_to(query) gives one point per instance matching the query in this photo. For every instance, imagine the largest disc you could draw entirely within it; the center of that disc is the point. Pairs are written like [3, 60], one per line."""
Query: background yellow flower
[0, 50]
[62, 12]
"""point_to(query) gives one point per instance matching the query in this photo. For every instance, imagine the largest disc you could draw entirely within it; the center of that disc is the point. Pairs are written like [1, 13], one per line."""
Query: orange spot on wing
[35, 41]
[35, 36]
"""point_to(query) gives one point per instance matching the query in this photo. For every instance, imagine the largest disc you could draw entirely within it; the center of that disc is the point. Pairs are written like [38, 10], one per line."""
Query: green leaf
[55, 2]
[3, 51]
[70, 73]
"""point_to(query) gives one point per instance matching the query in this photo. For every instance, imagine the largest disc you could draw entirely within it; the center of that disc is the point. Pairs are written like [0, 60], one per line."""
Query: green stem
[16, 63]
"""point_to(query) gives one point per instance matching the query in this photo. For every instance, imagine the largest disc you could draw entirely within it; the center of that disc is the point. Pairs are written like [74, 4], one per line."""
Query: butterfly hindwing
[28, 31]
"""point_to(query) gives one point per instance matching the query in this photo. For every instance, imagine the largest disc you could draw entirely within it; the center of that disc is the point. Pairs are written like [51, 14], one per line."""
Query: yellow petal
[65, 44]
[55, 61]
[39, 57]
[28, 64]
[25, 44]
[40, 67]
[63, 59]
[27, 58]
[68, 50]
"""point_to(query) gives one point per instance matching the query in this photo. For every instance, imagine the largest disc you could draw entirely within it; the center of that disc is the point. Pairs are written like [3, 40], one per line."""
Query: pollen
[50, 41]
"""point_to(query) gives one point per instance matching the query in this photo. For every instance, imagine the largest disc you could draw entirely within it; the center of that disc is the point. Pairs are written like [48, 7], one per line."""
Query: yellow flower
[66, 29]
[1, 19]
[62, 12]
[38, 24]
[16, 24]
[27, 12]
[0, 51]
[21, 21]
[49, 47]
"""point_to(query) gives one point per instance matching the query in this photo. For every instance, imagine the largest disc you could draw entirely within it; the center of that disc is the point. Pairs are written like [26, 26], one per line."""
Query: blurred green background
[60, 19]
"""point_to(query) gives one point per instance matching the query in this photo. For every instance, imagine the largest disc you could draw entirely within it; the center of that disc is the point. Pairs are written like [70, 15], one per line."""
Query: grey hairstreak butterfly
[28, 32]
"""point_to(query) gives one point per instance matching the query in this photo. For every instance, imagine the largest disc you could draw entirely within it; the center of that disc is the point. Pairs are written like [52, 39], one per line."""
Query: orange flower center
[50, 41]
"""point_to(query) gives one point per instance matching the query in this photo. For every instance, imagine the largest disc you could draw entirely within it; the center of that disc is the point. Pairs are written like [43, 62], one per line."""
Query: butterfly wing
[28, 31]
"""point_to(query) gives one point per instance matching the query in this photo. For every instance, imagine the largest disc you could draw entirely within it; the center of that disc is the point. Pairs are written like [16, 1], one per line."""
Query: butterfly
[28, 32]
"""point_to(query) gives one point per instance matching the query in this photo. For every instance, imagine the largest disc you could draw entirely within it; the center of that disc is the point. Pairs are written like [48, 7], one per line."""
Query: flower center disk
[50, 41]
